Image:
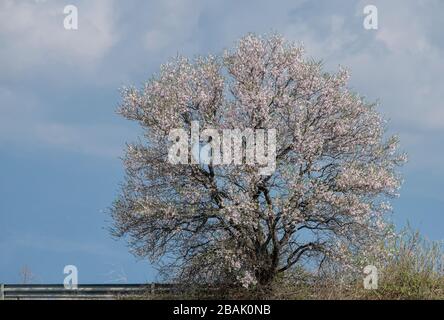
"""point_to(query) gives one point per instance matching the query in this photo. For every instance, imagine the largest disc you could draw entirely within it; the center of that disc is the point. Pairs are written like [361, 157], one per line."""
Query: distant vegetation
[412, 269]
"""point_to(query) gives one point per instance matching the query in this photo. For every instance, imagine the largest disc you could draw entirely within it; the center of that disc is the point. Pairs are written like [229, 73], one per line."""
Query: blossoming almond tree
[325, 201]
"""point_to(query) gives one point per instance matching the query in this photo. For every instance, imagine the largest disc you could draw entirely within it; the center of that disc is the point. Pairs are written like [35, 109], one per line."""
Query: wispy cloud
[33, 37]
[400, 64]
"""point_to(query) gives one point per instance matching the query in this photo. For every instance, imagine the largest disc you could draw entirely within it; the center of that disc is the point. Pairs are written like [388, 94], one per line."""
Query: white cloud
[400, 64]
[33, 36]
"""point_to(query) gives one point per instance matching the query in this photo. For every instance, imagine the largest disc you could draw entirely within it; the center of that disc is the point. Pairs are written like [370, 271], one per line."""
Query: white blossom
[327, 198]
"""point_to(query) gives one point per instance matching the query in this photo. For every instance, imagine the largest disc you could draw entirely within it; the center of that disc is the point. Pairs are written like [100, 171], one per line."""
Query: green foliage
[415, 269]
[412, 268]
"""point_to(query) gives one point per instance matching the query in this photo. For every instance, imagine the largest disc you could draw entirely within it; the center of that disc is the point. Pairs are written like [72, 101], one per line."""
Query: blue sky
[60, 139]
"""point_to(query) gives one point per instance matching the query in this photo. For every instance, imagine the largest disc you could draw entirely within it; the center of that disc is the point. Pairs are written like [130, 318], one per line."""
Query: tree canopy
[326, 200]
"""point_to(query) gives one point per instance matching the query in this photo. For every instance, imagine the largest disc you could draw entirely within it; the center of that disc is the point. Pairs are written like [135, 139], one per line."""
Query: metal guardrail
[83, 292]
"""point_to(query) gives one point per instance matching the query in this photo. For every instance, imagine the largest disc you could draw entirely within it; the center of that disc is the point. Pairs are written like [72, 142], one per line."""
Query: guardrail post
[2, 291]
